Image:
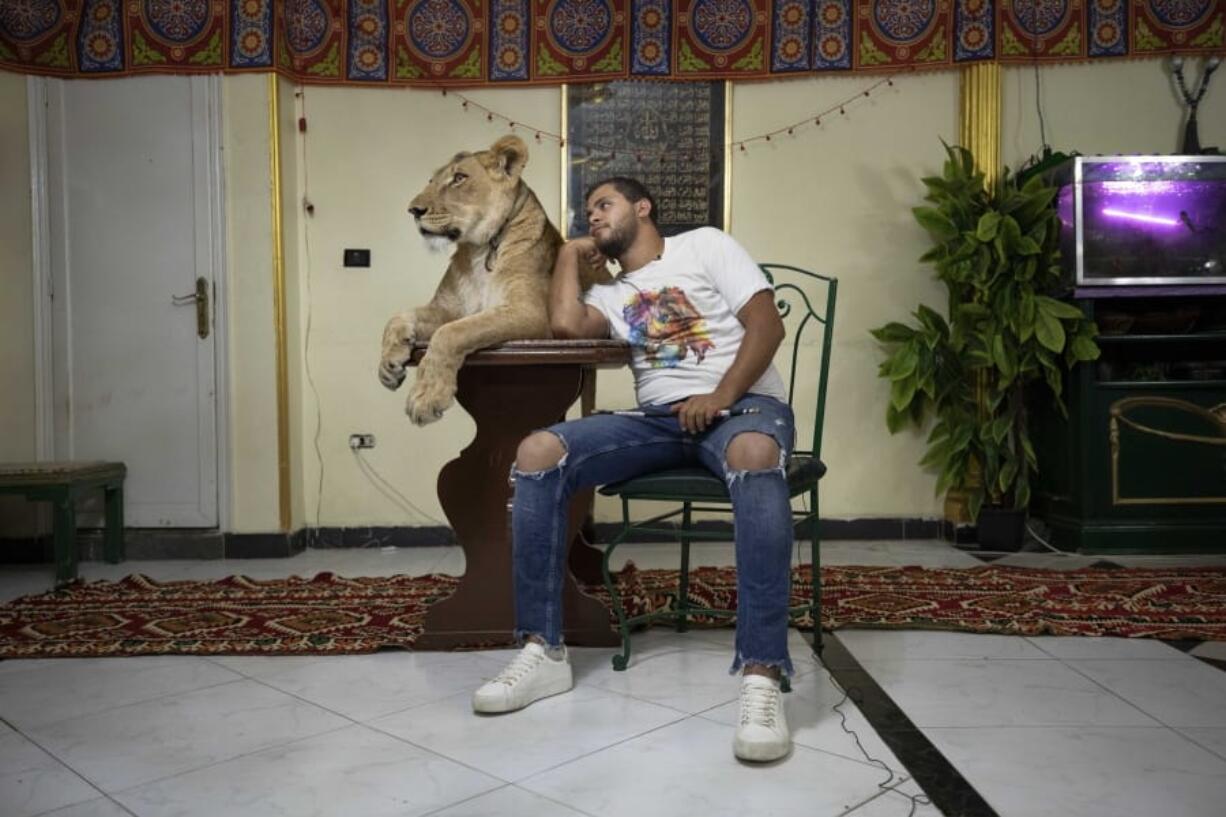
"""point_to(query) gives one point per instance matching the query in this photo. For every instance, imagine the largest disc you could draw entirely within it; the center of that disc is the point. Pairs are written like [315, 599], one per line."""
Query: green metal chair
[805, 301]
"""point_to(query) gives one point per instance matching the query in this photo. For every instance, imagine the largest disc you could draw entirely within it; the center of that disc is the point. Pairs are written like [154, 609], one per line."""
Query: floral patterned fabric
[508, 42]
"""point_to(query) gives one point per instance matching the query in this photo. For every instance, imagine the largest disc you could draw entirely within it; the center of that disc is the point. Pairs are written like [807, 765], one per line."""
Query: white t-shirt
[679, 315]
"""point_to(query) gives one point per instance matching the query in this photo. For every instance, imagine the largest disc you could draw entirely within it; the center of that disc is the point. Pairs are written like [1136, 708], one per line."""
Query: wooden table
[60, 483]
[512, 390]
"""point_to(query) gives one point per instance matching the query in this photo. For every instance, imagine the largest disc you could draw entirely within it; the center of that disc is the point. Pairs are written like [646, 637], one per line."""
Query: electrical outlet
[357, 441]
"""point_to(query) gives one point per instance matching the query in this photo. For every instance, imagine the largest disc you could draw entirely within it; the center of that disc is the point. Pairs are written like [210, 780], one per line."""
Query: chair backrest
[806, 302]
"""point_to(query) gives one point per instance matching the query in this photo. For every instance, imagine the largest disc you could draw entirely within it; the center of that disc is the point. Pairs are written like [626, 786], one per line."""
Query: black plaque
[668, 135]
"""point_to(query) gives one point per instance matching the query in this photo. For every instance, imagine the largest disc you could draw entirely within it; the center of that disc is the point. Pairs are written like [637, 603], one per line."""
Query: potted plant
[997, 252]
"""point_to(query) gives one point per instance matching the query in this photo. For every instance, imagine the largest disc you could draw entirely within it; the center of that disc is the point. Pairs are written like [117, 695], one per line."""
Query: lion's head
[469, 197]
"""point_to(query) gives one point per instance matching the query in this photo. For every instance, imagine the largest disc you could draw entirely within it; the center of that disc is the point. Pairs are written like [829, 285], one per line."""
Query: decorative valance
[517, 42]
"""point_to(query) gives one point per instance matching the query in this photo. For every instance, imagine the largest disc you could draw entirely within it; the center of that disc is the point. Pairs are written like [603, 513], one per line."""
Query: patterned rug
[331, 614]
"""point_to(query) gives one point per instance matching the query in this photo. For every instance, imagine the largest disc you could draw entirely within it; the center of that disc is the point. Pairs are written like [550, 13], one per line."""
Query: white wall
[17, 443]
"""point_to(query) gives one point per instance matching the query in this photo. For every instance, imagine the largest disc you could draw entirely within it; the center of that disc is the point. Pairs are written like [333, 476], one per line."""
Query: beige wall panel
[837, 200]
[366, 154]
[1115, 107]
[249, 288]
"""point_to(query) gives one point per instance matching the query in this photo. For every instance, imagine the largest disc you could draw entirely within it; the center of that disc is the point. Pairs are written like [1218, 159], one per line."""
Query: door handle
[201, 299]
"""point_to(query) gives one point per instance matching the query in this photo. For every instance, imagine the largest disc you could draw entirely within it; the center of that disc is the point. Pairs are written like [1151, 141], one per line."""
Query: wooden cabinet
[1140, 463]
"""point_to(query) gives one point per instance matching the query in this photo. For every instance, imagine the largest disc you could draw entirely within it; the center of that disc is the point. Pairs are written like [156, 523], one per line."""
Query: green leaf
[904, 362]
[1007, 472]
[1022, 497]
[893, 332]
[1037, 205]
[1085, 349]
[1049, 331]
[895, 420]
[932, 320]
[1028, 448]
[973, 310]
[1000, 427]
[1054, 379]
[1057, 309]
[937, 455]
[1010, 233]
[901, 393]
[961, 438]
[1028, 246]
[936, 222]
[1001, 357]
[985, 231]
[947, 480]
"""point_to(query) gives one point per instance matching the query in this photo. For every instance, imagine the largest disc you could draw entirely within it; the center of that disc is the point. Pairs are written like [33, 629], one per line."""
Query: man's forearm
[565, 308]
[757, 350]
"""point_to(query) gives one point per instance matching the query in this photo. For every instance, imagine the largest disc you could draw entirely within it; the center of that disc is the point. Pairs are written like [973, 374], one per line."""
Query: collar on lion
[521, 198]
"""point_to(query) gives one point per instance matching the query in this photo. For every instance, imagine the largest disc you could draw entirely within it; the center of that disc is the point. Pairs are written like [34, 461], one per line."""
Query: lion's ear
[512, 155]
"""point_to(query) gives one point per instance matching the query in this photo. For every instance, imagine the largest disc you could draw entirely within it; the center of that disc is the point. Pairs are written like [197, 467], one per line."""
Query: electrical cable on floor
[1034, 535]
[917, 800]
[1030, 529]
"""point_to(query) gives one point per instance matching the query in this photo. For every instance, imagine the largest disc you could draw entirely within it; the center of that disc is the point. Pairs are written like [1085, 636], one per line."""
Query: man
[701, 318]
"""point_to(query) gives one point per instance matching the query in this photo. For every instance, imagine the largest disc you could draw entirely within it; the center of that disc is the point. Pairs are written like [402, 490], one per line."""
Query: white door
[134, 220]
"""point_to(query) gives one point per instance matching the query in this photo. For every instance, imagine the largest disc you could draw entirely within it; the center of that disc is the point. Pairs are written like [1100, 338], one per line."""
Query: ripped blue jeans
[602, 449]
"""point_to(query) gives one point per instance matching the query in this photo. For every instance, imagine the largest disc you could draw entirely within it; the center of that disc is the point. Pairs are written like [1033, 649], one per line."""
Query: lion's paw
[391, 373]
[397, 347]
[430, 397]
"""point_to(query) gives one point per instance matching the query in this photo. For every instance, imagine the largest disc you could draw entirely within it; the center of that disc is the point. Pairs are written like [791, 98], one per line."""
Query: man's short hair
[634, 191]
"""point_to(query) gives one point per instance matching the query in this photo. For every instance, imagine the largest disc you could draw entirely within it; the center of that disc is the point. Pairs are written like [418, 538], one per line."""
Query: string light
[540, 134]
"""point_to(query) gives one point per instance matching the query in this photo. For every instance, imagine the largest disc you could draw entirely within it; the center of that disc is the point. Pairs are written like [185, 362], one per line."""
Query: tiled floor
[1035, 726]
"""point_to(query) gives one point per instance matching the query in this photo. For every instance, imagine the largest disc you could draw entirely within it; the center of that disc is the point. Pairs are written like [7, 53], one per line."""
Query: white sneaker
[762, 733]
[530, 676]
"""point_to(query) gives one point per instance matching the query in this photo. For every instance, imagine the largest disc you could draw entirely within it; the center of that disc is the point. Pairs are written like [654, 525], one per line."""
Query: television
[1142, 220]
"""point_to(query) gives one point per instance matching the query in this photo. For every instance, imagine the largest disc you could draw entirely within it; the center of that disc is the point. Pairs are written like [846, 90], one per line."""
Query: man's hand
[699, 411]
[586, 252]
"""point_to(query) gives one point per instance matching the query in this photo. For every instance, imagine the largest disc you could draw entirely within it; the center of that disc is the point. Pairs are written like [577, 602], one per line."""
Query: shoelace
[522, 664]
[759, 705]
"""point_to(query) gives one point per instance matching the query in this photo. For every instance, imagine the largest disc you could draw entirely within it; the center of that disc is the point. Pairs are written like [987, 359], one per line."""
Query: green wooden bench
[60, 483]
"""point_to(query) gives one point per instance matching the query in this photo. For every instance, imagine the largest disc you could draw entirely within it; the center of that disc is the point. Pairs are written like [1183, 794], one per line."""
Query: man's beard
[618, 240]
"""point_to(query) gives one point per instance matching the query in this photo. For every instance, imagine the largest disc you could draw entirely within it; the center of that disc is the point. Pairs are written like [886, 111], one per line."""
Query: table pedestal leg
[507, 403]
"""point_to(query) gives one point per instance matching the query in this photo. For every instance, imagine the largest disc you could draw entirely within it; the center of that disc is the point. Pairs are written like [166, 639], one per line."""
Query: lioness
[497, 285]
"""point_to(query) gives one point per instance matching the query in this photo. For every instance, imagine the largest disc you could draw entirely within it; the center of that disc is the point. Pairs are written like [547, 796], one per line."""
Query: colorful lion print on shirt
[666, 326]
